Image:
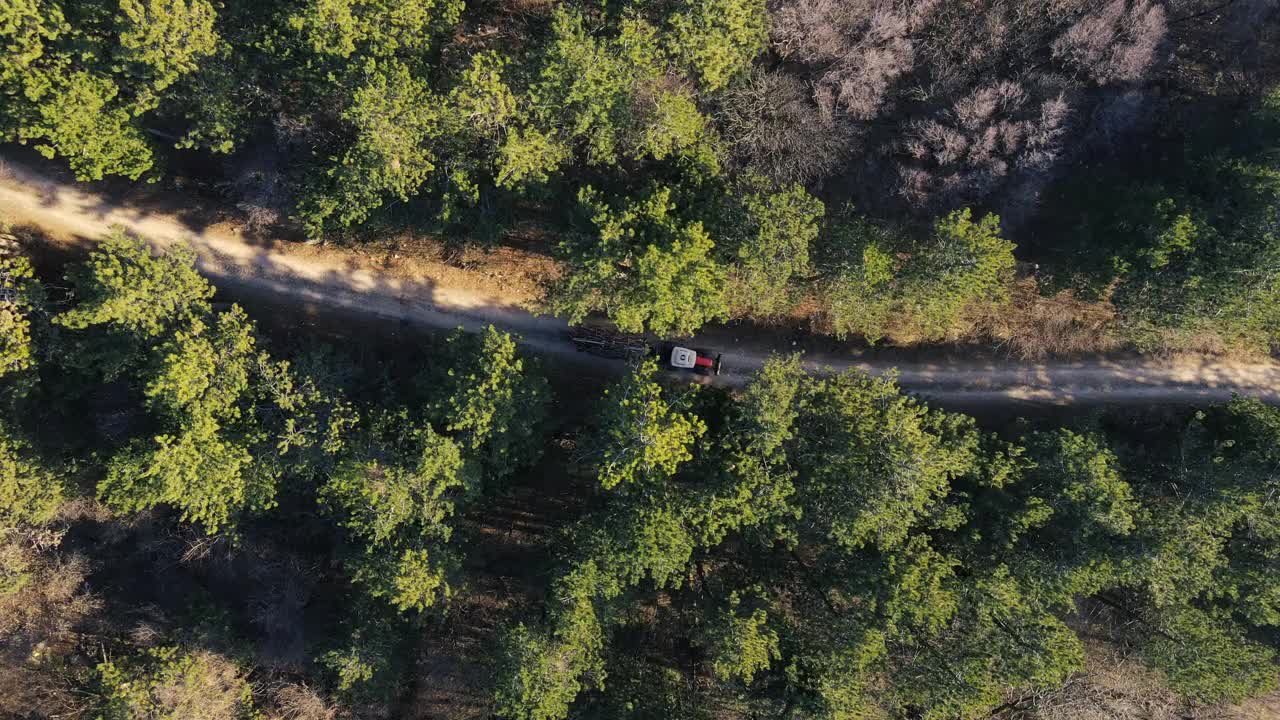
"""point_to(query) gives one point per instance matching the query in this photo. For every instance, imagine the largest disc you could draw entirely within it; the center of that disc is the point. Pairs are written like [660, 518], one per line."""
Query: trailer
[605, 343]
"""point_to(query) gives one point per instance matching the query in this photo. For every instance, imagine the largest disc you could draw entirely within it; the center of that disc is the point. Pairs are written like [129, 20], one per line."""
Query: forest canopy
[810, 546]
[209, 511]
[702, 160]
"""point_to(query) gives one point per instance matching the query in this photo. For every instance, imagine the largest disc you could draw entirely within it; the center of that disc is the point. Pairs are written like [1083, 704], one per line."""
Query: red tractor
[606, 343]
[683, 358]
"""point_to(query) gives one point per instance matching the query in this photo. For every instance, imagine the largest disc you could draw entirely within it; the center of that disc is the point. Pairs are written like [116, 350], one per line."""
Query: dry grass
[1117, 686]
[42, 608]
[40, 612]
[298, 701]
[1113, 687]
[517, 273]
[1034, 326]
[1266, 707]
[212, 687]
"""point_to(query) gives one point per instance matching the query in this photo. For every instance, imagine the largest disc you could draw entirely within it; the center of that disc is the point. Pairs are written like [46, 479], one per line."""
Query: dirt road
[346, 282]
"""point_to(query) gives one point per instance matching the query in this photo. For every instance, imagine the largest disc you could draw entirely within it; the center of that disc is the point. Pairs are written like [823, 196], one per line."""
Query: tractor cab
[684, 358]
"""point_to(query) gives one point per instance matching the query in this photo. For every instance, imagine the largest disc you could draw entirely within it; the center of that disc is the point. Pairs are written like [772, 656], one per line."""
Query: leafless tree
[996, 134]
[1116, 118]
[773, 127]
[283, 587]
[967, 43]
[1116, 43]
[1226, 47]
[858, 49]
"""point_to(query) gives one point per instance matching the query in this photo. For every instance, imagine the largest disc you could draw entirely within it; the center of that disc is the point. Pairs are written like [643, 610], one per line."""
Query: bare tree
[1116, 43]
[997, 134]
[773, 127]
[858, 49]
[967, 43]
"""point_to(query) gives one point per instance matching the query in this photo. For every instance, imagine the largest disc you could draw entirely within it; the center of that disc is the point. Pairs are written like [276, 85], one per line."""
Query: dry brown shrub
[42, 606]
[282, 588]
[212, 687]
[1033, 326]
[298, 701]
[47, 605]
[1266, 707]
[1113, 687]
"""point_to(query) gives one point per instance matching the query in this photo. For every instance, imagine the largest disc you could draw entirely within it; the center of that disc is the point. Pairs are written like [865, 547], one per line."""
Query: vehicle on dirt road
[606, 343]
[683, 358]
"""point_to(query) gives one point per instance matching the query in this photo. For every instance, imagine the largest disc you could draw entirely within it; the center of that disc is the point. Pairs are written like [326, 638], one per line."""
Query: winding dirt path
[344, 282]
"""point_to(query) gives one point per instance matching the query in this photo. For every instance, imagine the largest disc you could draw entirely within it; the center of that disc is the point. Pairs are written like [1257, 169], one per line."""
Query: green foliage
[964, 262]
[495, 405]
[608, 94]
[26, 28]
[76, 116]
[671, 125]
[779, 230]
[203, 463]
[29, 492]
[583, 89]
[1189, 246]
[718, 40]
[394, 117]
[20, 295]
[369, 660]
[378, 28]
[202, 372]
[168, 683]
[871, 460]
[542, 670]
[742, 645]
[197, 472]
[756, 486]
[395, 508]
[642, 435]
[827, 544]
[1209, 660]
[163, 40]
[644, 266]
[996, 640]
[527, 155]
[1078, 476]
[216, 105]
[875, 278]
[645, 689]
[226, 422]
[537, 676]
[860, 271]
[483, 98]
[123, 286]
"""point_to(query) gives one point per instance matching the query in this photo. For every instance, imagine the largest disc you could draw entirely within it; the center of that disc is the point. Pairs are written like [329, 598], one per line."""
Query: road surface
[343, 282]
